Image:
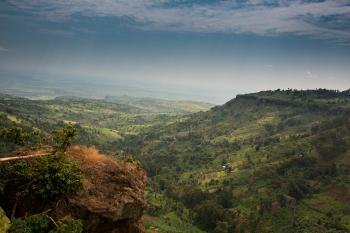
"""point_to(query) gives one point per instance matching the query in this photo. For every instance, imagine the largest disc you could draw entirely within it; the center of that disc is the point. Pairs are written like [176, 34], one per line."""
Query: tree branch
[24, 157]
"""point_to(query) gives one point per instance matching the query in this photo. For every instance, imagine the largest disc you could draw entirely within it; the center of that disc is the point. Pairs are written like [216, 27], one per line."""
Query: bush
[298, 189]
[46, 179]
[71, 226]
[14, 135]
[225, 197]
[41, 224]
[56, 177]
[192, 196]
[19, 226]
[33, 224]
[208, 214]
[221, 227]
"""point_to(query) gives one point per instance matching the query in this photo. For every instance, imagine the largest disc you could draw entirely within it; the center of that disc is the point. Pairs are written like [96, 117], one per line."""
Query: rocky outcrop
[112, 199]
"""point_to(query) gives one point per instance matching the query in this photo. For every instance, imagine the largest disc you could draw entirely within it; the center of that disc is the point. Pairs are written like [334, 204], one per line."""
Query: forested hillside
[103, 124]
[273, 161]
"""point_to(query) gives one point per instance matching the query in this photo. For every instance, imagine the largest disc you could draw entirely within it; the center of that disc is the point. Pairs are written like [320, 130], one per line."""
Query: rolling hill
[101, 123]
[287, 163]
[272, 161]
[161, 105]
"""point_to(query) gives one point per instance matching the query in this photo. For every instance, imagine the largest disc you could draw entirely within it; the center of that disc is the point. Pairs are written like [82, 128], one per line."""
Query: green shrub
[225, 197]
[208, 214]
[56, 177]
[221, 227]
[71, 226]
[46, 179]
[14, 135]
[41, 224]
[33, 224]
[19, 226]
[131, 159]
[193, 196]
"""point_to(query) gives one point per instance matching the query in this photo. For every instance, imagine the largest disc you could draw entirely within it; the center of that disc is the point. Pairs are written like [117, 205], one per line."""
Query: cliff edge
[112, 199]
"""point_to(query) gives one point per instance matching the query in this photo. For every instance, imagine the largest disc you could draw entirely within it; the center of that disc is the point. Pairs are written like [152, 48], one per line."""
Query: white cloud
[254, 16]
[311, 75]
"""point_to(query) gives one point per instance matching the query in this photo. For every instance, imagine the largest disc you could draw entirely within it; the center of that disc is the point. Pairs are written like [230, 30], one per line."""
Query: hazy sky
[216, 48]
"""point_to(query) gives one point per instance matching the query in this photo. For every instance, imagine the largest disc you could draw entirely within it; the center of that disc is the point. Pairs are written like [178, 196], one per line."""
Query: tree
[208, 214]
[193, 196]
[14, 135]
[64, 137]
[225, 197]
[221, 227]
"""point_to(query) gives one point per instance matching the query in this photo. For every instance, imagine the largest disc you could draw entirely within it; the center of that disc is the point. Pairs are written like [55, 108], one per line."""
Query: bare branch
[24, 157]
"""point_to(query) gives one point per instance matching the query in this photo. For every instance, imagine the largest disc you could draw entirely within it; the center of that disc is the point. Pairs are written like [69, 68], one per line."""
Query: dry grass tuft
[90, 154]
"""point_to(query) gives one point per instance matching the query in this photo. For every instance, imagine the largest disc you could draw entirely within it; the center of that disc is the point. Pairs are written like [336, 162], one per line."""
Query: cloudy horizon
[213, 47]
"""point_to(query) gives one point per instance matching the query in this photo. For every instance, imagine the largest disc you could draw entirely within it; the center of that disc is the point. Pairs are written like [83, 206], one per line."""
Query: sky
[207, 50]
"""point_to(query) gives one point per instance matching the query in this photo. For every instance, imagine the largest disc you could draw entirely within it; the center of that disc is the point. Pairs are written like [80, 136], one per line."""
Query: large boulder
[113, 197]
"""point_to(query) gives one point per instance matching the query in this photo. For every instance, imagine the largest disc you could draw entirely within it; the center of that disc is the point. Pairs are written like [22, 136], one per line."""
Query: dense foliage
[288, 158]
[46, 179]
[43, 224]
[43, 180]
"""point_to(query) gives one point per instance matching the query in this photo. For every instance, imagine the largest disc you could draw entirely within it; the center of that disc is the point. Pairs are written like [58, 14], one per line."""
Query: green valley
[272, 161]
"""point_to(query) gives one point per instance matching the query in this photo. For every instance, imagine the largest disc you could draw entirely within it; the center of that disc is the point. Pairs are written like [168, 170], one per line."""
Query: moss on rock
[4, 222]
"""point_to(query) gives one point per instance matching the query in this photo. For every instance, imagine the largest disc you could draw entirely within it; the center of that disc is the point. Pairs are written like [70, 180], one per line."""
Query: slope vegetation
[274, 161]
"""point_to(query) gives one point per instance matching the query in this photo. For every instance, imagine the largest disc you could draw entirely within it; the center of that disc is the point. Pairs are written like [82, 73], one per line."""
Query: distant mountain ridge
[161, 105]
